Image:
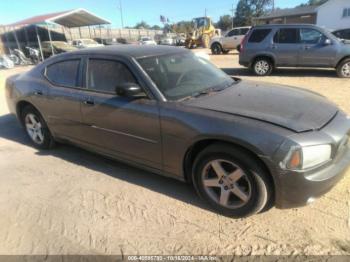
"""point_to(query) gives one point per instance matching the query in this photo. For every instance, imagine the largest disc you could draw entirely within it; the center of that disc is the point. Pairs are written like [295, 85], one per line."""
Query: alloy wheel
[262, 67]
[346, 70]
[34, 128]
[226, 184]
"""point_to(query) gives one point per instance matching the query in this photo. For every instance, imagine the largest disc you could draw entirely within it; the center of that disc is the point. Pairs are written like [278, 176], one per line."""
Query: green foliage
[142, 25]
[224, 23]
[248, 9]
[182, 27]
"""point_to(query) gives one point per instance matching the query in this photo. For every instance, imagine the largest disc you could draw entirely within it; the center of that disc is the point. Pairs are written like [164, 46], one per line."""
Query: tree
[156, 27]
[142, 25]
[183, 27]
[247, 10]
[224, 23]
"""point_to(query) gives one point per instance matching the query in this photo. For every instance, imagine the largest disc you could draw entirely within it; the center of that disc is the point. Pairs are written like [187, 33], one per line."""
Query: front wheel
[343, 69]
[216, 49]
[262, 67]
[231, 181]
[36, 128]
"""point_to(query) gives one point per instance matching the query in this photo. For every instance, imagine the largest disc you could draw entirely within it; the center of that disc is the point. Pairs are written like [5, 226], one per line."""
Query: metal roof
[73, 18]
[301, 10]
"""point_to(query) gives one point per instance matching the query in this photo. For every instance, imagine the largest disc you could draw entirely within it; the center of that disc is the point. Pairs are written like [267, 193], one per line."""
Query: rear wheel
[263, 66]
[216, 49]
[231, 181]
[36, 128]
[343, 69]
[205, 41]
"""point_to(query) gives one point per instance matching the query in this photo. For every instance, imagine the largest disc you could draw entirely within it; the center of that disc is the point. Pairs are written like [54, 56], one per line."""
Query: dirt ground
[69, 201]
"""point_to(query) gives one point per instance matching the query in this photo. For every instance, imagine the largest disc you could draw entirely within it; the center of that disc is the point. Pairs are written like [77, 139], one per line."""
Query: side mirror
[128, 90]
[328, 41]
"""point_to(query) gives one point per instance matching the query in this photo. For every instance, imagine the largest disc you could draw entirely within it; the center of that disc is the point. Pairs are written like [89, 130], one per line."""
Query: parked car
[166, 41]
[245, 146]
[146, 40]
[343, 34]
[85, 43]
[270, 46]
[231, 41]
[58, 47]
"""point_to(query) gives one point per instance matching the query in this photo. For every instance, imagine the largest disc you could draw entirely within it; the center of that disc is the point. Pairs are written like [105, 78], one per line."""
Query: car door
[314, 50]
[65, 97]
[286, 46]
[231, 39]
[124, 127]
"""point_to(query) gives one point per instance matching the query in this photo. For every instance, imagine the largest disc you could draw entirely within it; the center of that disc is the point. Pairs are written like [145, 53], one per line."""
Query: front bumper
[296, 189]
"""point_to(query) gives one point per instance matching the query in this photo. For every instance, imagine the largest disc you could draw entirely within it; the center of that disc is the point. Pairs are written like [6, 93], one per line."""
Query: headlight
[302, 158]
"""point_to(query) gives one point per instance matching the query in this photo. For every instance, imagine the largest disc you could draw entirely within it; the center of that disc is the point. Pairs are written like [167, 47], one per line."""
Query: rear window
[259, 35]
[64, 73]
[287, 36]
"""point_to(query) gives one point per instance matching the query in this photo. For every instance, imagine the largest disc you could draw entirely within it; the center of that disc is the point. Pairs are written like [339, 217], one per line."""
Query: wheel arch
[341, 60]
[20, 106]
[268, 56]
[199, 145]
[215, 43]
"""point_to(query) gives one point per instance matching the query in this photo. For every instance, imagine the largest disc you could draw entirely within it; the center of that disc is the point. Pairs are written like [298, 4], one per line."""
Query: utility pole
[205, 12]
[233, 13]
[273, 5]
[121, 13]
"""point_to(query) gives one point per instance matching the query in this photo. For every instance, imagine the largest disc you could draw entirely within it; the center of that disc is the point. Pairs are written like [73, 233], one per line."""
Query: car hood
[292, 108]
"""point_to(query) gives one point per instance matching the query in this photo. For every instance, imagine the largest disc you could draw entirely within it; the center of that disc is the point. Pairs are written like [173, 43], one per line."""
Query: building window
[346, 12]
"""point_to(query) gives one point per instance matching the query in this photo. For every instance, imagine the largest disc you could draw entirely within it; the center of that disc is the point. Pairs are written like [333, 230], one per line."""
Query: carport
[76, 18]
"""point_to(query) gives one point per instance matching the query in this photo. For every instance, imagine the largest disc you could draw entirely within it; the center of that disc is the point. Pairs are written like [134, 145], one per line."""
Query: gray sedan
[245, 146]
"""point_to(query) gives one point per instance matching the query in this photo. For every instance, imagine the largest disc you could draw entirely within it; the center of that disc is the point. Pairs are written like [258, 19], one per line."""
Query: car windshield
[184, 75]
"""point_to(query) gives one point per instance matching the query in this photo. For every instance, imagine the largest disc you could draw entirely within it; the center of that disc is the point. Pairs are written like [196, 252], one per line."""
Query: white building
[334, 14]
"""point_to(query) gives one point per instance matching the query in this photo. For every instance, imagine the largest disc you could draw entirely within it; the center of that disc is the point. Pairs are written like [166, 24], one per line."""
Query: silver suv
[232, 40]
[270, 46]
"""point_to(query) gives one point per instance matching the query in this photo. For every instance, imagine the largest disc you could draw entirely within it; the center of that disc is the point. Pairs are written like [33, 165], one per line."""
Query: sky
[133, 10]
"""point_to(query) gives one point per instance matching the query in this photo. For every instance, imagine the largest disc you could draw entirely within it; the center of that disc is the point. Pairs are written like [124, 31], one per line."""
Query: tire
[205, 41]
[238, 48]
[343, 69]
[216, 49]
[36, 128]
[247, 190]
[262, 66]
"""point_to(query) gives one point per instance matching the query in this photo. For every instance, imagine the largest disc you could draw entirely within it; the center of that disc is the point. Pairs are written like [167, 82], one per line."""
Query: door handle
[38, 93]
[273, 47]
[89, 103]
[307, 47]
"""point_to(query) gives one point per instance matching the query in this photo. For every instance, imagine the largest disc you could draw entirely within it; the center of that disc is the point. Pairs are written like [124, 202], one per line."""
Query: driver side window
[106, 75]
[311, 36]
[232, 33]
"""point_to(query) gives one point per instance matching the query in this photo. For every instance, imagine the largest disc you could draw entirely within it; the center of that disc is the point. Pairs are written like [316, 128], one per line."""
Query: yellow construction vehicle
[203, 31]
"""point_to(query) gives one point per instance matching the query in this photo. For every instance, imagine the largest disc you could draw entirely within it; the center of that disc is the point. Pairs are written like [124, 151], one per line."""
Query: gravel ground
[69, 201]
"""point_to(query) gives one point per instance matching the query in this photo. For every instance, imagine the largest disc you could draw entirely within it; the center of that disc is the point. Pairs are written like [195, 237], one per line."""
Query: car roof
[129, 51]
[286, 25]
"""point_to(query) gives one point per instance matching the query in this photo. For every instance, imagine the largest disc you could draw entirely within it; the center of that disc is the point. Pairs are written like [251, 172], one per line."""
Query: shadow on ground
[284, 72]
[11, 130]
